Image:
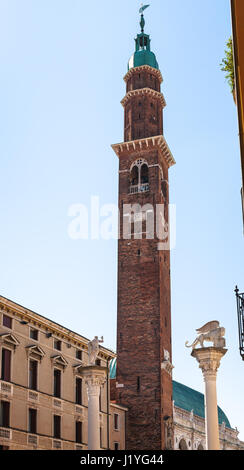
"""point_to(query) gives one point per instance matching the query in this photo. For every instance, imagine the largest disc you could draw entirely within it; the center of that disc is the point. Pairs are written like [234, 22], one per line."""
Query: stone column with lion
[209, 361]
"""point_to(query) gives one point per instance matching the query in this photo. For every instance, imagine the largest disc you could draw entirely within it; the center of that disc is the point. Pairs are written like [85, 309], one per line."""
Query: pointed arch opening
[139, 177]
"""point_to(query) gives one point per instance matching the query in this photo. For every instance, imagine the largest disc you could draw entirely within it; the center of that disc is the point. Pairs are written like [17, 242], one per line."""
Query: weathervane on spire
[142, 23]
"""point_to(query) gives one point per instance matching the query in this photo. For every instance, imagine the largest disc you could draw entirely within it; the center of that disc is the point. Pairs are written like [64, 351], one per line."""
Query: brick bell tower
[144, 354]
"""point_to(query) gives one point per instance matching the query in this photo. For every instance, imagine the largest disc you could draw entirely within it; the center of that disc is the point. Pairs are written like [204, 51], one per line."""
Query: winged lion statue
[211, 332]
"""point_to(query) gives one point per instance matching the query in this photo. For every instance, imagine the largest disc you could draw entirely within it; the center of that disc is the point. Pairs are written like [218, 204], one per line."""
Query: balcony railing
[5, 433]
[57, 444]
[33, 396]
[139, 188]
[6, 388]
[57, 403]
[32, 440]
[240, 313]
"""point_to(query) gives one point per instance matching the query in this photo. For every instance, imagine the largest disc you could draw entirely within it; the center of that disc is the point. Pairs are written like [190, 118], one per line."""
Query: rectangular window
[79, 354]
[138, 384]
[34, 334]
[7, 321]
[33, 375]
[78, 432]
[101, 438]
[78, 391]
[57, 427]
[116, 422]
[4, 414]
[57, 344]
[6, 365]
[116, 446]
[100, 400]
[57, 383]
[32, 421]
[98, 362]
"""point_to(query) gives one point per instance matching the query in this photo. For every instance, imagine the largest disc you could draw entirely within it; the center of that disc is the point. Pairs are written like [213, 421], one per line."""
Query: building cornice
[142, 145]
[119, 407]
[143, 68]
[142, 92]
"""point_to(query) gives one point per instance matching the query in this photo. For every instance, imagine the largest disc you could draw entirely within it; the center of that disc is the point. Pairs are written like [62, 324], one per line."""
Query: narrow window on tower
[138, 384]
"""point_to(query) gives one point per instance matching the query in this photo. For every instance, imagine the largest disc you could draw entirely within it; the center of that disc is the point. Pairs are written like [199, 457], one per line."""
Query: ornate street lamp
[240, 313]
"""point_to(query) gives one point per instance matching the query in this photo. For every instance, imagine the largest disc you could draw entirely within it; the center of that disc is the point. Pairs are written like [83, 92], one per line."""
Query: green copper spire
[143, 54]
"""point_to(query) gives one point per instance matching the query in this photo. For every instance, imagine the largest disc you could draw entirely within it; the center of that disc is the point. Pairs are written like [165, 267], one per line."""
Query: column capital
[95, 377]
[209, 360]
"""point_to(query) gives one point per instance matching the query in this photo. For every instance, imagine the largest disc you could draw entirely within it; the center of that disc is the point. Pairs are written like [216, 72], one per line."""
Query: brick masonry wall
[144, 312]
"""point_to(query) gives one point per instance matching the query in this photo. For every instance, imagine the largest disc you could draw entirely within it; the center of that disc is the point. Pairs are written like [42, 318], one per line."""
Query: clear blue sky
[61, 82]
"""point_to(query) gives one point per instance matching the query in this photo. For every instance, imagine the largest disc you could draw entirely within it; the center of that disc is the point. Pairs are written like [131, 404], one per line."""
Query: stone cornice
[143, 68]
[142, 145]
[119, 407]
[144, 92]
[22, 313]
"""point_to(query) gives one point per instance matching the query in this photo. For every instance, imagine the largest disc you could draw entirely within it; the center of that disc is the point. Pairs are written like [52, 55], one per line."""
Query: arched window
[139, 177]
[200, 447]
[183, 445]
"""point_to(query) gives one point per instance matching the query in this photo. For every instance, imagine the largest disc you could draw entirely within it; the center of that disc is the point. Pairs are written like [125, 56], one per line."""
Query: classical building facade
[43, 399]
[144, 311]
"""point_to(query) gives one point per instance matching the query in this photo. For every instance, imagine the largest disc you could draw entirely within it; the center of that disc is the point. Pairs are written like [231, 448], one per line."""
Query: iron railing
[240, 313]
[139, 188]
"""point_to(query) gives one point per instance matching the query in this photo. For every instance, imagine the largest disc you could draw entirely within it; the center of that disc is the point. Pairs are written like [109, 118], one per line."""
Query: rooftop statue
[211, 332]
[93, 350]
